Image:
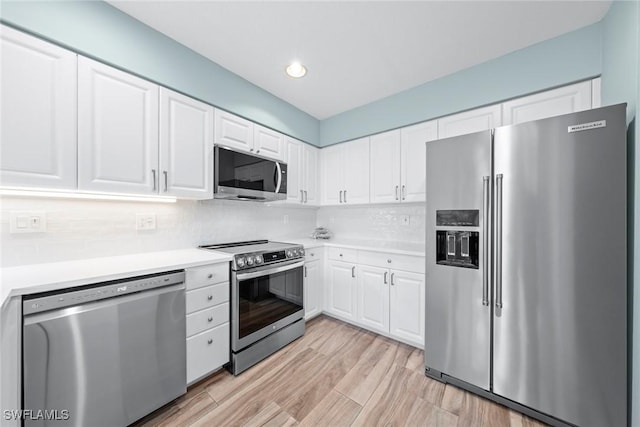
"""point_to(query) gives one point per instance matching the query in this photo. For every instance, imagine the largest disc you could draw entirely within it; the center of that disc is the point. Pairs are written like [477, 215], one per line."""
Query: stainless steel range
[267, 310]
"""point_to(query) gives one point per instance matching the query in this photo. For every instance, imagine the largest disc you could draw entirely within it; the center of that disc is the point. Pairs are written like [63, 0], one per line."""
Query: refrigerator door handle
[485, 237]
[499, 240]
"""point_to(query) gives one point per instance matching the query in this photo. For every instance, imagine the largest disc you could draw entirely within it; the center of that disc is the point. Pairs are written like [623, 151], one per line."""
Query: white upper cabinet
[38, 115]
[413, 164]
[302, 171]
[244, 135]
[356, 171]
[345, 173]
[293, 157]
[470, 121]
[384, 174]
[268, 143]
[186, 146]
[332, 174]
[563, 100]
[233, 131]
[311, 178]
[117, 130]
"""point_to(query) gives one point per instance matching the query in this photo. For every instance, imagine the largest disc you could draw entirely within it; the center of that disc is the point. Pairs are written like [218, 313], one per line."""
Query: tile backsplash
[375, 222]
[78, 229]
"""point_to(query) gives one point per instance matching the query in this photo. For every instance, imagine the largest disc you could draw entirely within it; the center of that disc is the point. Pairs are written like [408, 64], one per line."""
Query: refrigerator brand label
[588, 126]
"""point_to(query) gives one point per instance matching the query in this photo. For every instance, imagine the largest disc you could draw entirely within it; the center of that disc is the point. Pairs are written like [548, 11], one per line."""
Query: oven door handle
[279, 269]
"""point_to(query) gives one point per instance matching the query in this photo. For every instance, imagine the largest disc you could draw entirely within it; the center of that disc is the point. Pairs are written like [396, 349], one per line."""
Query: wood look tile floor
[336, 375]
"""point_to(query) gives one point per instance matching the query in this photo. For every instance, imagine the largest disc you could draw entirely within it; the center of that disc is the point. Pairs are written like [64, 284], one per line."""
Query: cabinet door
[311, 185]
[341, 290]
[186, 146]
[332, 175]
[268, 143]
[117, 130]
[295, 170]
[312, 289]
[385, 167]
[38, 117]
[470, 121]
[356, 171]
[233, 131]
[207, 351]
[563, 100]
[373, 298]
[413, 164]
[407, 302]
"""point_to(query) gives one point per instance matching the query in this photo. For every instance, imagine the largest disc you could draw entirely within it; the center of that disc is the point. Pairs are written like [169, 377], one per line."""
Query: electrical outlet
[145, 221]
[405, 219]
[27, 222]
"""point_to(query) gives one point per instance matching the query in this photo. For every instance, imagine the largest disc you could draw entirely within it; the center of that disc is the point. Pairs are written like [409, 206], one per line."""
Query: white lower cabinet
[373, 298]
[207, 307]
[341, 290]
[312, 284]
[363, 288]
[407, 306]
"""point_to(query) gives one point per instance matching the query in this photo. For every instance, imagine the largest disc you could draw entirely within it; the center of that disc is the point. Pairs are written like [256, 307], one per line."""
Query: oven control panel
[244, 261]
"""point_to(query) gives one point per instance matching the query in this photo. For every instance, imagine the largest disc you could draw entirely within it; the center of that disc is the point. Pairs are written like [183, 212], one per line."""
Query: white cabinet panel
[117, 130]
[268, 143]
[373, 298]
[198, 277]
[413, 166]
[207, 352]
[205, 319]
[407, 306]
[563, 100]
[295, 172]
[470, 121]
[186, 146]
[312, 289]
[385, 167]
[332, 175]
[38, 117]
[310, 159]
[596, 93]
[341, 290]
[206, 297]
[356, 171]
[233, 131]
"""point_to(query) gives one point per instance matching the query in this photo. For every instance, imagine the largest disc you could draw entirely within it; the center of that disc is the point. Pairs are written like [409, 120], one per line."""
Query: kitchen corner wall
[375, 222]
[78, 229]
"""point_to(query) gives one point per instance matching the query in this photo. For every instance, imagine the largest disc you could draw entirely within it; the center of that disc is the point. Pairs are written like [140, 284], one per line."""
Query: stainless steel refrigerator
[526, 272]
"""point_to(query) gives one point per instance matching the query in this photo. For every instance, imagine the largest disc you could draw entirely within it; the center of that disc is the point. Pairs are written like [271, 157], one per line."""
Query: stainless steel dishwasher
[104, 354]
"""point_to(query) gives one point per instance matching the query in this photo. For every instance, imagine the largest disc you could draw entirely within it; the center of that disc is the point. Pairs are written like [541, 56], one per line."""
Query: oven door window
[266, 299]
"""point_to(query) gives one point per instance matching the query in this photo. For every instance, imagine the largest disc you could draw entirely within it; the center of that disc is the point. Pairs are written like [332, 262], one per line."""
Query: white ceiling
[356, 51]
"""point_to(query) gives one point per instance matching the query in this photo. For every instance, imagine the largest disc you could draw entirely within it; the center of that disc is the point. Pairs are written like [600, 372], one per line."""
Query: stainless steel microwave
[244, 176]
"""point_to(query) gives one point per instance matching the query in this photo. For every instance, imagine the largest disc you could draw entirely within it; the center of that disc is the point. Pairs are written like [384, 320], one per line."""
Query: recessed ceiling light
[296, 70]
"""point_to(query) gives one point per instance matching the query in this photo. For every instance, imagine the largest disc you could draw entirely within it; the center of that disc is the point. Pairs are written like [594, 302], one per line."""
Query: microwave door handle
[278, 177]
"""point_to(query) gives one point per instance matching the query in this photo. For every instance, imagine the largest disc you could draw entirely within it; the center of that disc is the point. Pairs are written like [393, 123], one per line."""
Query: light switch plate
[27, 222]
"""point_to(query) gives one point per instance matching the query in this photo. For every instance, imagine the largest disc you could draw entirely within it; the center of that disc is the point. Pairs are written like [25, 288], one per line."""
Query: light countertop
[391, 247]
[34, 278]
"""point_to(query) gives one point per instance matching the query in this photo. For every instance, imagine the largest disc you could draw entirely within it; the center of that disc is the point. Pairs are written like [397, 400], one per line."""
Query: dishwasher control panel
[46, 301]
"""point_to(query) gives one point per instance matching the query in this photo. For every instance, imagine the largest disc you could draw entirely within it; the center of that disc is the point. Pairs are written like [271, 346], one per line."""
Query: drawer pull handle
[340, 254]
[389, 261]
[210, 319]
[210, 297]
[210, 341]
[210, 276]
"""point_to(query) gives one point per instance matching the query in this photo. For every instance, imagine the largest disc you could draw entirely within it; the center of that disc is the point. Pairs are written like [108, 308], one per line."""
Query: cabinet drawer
[202, 298]
[198, 277]
[393, 261]
[208, 318]
[313, 254]
[207, 352]
[341, 254]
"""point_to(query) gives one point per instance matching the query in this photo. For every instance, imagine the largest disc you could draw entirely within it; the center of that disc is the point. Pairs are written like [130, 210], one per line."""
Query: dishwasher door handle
[94, 305]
